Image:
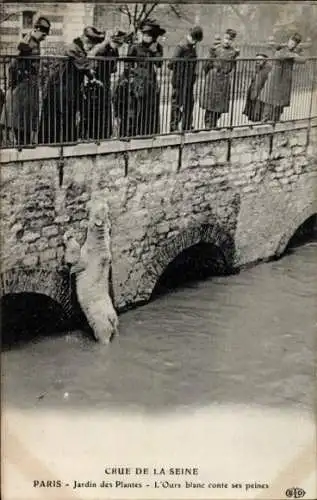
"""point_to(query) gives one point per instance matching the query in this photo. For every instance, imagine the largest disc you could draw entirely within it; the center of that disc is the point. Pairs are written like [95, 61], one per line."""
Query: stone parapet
[245, 191]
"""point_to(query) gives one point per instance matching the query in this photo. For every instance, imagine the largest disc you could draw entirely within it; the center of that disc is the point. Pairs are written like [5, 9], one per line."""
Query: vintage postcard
[158, 250]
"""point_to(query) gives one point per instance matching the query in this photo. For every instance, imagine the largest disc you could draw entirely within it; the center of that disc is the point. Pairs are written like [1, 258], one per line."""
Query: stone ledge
[162, 141]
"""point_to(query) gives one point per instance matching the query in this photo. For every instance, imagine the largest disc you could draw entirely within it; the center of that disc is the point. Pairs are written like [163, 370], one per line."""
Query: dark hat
[152, 27]
[119, 36]
[94, 35]
[232, 33]
[145, 28]
[197, 33]
[42, 24]
[296, 37]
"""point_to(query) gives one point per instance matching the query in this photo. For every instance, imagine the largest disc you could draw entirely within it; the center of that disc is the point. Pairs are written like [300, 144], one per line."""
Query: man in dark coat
[64, 95]
[276, 93]
[98, 103]
[254, 107]
[20, 113]
[183, 66]
[215, 98]
[2, 99]
[125, 105]
[138, 87]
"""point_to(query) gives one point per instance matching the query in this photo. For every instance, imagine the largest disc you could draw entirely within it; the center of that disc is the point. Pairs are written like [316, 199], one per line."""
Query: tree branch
[180, 15]
[245, 20]
[7, 16]
[135, 14]
[147, 14]
[125, 10]
[175, 11]
[139, 19]
[129, 13]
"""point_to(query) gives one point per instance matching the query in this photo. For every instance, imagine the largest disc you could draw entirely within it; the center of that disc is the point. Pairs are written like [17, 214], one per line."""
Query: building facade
[67, 21]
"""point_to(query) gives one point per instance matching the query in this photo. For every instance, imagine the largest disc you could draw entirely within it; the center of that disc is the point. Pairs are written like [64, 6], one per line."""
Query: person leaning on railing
[276, 93]
[98, 104]
[64, 99]
[183, 66]
[2, 100]
[254, 107]
[124, 106]
[215, 98]
[143, 59]
[20, 112]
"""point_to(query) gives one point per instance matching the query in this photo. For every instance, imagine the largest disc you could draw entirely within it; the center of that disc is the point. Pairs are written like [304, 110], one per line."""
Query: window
[27, 19]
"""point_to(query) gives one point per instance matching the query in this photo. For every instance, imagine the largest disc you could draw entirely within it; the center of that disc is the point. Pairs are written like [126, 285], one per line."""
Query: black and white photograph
[158, 250]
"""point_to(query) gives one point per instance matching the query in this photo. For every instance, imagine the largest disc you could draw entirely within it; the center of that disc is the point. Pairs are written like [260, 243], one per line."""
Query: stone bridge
[244, 191]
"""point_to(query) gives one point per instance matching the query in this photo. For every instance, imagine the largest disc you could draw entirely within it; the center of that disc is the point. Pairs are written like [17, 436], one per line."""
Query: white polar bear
[92, 266]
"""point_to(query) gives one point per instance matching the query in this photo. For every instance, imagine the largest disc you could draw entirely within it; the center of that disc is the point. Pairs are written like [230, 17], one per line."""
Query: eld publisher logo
[295, 493]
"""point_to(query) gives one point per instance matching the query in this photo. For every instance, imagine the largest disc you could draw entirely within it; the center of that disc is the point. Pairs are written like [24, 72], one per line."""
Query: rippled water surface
[248, 338]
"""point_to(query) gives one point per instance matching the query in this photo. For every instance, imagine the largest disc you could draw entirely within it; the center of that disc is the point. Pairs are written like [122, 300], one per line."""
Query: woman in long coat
[215, 97]
[98, 105]
[276, 93]
[142, 75]
[20, 114]
[125, 105]
[254, 107]
[64, 98]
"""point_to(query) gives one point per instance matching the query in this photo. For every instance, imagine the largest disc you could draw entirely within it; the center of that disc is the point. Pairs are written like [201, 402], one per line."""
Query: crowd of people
[76, 97]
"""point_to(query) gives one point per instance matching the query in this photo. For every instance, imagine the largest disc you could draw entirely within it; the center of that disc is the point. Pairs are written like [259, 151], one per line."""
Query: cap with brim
[161, 31]
[94, 35]
[197, 33]
[119, 36]
[43, 24]
[296, 37]
[145, 29]
[153, 28]
[231, 33]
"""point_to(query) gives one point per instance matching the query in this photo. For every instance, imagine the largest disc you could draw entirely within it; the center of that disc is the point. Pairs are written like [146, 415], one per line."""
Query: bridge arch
[172, 247]
[54, 284]
[26, 316]
[294, 224]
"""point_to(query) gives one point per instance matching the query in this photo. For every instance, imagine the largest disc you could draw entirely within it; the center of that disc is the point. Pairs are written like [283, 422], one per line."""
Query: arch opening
[26, 316]
[305, 233]
[195, 263]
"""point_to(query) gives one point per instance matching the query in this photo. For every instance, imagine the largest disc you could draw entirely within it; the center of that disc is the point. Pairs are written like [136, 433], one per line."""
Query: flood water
[249, 338]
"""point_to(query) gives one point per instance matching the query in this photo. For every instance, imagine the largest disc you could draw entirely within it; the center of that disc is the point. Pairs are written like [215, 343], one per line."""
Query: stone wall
[246, 191]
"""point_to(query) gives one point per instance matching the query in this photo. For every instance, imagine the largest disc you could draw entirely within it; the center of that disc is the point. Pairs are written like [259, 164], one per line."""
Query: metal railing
[51, 100]
[247, 50]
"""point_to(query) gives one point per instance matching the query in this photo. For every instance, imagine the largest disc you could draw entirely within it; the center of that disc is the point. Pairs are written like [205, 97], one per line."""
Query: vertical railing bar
[314, 76]
[25, 130]
[61, 104]
[197, 95]
[167, 84]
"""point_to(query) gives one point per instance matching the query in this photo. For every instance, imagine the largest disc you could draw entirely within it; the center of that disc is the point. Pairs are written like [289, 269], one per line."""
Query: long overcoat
[125, 106]
[183, 66]
[142, 74]
[253, 106]
[64, 96]
[21, 108]
[278, 86]
[216, 93]
[98, 103]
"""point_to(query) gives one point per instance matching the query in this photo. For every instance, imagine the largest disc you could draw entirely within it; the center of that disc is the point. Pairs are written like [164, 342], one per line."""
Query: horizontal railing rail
[55, 100]
[246, 49]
